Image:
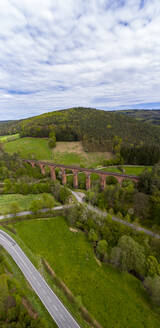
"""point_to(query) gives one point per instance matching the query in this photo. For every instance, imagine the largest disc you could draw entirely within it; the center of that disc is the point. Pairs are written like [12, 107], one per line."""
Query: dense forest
[96, 128]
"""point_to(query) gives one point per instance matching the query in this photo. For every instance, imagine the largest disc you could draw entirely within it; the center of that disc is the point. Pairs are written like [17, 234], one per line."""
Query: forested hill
[96, 128]
[8, 127]
[144, 115]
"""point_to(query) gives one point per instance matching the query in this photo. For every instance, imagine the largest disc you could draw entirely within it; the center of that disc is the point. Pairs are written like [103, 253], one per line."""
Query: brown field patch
[70, 147]
[76, 147]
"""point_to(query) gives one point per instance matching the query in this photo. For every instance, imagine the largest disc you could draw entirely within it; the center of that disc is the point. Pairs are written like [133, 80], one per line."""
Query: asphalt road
[51, 302]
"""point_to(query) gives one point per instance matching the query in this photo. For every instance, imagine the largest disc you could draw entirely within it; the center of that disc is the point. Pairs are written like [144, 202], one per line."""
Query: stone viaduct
[75, 170]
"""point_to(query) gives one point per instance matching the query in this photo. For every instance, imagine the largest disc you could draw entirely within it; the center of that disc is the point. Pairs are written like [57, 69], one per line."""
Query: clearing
[72, 152]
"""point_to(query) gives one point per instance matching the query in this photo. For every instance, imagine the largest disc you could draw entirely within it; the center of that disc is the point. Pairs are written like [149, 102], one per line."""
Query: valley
[90, 261]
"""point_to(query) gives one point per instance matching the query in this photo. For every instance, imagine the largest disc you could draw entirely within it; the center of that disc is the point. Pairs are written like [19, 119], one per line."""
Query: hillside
[145, 116]
[95, 128]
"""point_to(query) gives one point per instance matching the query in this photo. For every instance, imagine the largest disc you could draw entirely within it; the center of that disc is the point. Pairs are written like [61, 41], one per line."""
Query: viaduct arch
[75, 170]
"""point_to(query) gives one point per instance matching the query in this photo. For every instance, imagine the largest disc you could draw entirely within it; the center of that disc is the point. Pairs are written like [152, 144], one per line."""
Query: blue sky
[56, 54]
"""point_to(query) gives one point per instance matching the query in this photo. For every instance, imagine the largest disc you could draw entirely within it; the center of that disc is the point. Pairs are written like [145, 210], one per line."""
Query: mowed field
[115, 299]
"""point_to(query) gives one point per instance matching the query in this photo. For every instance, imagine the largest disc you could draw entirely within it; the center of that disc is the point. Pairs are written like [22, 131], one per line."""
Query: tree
[111, 180]
[129, 256]
[47, 201]
[92, 236]
[14, 208]
[7, 186]
[36, 205]
[155, 207]
[52, 139]
[116, 257]
[152, 285]
[102, 248]
[141, 205]
[64, 195]
[153, 267]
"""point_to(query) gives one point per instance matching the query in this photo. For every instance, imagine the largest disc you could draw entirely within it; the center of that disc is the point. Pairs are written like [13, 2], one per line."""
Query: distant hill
[148, 116]
[8, 127]
[96, 128]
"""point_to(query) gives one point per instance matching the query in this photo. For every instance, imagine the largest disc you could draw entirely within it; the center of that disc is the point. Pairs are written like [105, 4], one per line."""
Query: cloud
[96, 53]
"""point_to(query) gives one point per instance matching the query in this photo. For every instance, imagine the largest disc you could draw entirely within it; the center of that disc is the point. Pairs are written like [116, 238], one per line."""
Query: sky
[56, 54]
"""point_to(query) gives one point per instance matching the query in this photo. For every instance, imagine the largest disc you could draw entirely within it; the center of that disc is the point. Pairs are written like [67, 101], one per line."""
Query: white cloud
[59, 54]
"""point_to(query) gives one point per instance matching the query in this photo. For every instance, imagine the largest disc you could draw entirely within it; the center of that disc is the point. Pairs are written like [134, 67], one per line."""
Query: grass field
[136, 170]
[24, 201]
[68, 153]
[130, 170]
[115, 299]
[30, 148]
[9, 138]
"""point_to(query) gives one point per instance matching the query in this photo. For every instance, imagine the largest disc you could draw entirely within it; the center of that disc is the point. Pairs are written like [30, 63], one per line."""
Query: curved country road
[51, 302]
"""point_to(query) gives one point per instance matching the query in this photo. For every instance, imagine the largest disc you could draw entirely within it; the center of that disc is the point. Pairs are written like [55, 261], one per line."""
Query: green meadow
[10, 137]
[114, 299]
[30, 148]
[130, 170]
[23, 201]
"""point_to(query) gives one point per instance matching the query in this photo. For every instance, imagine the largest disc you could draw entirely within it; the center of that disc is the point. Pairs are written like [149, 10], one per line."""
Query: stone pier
[88, 180]
[103, 181]
[33, 164]
[42, 167]
[75, 179]
[53, 173]
[64, 178]
[120, 179]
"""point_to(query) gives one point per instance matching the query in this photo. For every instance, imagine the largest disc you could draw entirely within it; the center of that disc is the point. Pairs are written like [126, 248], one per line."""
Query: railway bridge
[75, 170]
